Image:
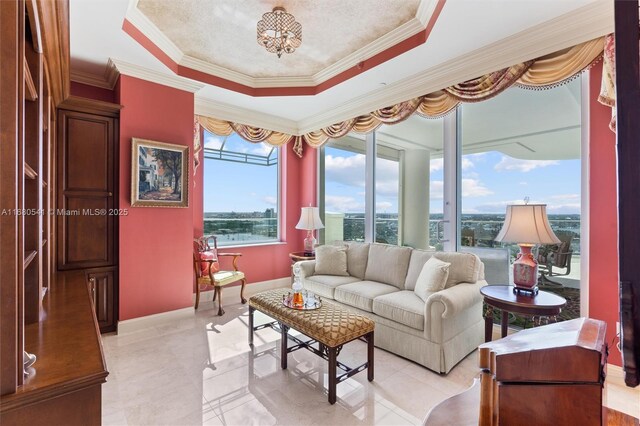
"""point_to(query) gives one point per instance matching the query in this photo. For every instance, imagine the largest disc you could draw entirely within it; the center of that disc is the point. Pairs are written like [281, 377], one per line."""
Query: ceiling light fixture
[279, 32]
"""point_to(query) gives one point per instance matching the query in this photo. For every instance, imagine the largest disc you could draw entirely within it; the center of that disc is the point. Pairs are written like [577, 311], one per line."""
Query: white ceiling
[470, 38]
[223, 32]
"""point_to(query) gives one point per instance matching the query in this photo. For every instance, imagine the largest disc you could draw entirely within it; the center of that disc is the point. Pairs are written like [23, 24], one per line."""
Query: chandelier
[279, 32]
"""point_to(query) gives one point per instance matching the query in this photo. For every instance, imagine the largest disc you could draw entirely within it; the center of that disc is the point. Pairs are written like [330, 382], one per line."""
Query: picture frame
[159, 174]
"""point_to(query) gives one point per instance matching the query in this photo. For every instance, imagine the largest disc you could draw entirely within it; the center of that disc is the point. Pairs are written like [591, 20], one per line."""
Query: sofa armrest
[450, 311]
[307, 268]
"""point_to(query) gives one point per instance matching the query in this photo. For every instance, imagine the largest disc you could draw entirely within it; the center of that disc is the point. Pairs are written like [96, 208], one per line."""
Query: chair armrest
[307, 268]
[235, 258]
[450, 311]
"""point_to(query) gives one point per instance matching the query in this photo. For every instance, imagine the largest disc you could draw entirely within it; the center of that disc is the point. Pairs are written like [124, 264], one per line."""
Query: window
[241, 190]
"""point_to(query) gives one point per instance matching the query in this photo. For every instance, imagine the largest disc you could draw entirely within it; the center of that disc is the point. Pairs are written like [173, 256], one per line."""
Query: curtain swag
[542, 73]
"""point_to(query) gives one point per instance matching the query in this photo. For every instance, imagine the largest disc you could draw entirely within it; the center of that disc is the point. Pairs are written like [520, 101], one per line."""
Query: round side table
[543, 304]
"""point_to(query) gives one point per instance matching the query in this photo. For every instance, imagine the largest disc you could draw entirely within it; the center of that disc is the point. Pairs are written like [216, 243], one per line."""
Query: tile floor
[200, 371]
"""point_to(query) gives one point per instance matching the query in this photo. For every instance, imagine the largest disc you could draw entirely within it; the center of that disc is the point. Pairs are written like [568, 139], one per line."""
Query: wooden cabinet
[87, 193]
[546, 375]
[86, 190]
[102, 290]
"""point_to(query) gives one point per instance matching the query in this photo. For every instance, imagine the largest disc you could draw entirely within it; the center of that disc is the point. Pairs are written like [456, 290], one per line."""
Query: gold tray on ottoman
[310, 301]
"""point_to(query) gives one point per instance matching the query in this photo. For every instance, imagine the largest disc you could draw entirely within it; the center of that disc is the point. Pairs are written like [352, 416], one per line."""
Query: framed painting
[159, 174]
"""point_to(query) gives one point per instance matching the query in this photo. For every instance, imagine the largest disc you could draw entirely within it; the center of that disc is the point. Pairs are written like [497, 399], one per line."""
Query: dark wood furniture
[627, 130]
[550, 375]
[208, 273]
[503, 297]
[65, 386]
[87, 219]
[330, 326]
[42, 312]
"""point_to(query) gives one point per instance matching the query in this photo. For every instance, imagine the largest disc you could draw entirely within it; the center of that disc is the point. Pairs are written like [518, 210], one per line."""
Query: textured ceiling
[223, 32]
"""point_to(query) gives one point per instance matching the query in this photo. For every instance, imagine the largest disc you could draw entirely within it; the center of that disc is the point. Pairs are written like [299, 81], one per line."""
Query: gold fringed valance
[543, 72]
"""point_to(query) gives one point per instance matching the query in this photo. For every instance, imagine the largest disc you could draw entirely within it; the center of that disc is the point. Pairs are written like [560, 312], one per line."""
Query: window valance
[541, 73]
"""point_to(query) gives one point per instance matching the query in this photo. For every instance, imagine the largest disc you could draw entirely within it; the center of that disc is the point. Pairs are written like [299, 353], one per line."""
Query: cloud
[383, 205]
[568, 208]
[261, 149]
[565, 197]
[212, 142]
[345, 170]
[343, 204]
[437, 189]
[466, 164]
[270, 200]
[523, 183]
[524, 166]
[436, 165]
[474, 188]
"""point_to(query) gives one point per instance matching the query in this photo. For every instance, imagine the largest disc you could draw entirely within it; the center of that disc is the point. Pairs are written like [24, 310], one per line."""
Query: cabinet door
[86, 187]
[101, 285]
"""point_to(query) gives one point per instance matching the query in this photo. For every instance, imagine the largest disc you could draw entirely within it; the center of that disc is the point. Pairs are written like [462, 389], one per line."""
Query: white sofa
[380, 284]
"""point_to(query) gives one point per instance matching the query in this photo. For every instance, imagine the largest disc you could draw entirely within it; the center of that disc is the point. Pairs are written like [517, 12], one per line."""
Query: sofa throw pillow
[331, 260]
[432, 278]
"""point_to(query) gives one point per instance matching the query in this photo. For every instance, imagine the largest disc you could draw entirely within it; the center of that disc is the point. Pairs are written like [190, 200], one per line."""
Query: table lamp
[526, 225]
[309, 220]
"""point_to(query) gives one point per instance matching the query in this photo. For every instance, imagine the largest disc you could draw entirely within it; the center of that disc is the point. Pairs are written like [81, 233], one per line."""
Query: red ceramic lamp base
[525, 271]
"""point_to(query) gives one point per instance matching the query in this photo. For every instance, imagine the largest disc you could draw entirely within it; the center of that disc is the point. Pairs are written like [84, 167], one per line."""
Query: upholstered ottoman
[330, 326]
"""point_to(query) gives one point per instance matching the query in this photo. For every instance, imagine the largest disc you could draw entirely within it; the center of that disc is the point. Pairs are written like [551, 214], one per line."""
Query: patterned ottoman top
[331, 324]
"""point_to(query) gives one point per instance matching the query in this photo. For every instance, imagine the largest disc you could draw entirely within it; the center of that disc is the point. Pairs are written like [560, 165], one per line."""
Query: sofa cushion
[402, 306]
[331, 260]
[324, 285]
[388, 264]
[361, 294]
[432, 278]
[357, 255]
[417, 261]
[465, 267]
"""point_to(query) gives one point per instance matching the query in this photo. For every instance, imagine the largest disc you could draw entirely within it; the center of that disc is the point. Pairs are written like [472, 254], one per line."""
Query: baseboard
[135, 324]
[232, 294]
[615, 375]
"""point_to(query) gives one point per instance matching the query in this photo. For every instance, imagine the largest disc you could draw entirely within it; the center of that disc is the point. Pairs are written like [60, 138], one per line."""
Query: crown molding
[426, 9]
[589, 22]
[90, 80]
[170, 80]
[211, 108]
[153, 33]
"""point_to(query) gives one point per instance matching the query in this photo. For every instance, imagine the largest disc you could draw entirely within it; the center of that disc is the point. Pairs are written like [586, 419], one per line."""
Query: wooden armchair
[208, 273]
[555, 255]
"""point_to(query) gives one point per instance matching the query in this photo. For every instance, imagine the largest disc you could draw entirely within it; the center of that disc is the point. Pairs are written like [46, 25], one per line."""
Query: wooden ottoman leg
[333, 380]
[369, 338]
[283, 346]
[504, 324]
[251, 309]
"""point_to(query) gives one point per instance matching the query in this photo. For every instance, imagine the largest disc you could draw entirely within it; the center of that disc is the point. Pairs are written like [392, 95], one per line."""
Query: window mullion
[370, 188]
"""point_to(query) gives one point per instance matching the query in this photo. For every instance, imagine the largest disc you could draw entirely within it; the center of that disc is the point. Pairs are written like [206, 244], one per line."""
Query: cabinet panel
[102, 287]
[87, 177]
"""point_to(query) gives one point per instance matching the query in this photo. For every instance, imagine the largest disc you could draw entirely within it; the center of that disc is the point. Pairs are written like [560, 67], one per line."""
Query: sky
[230, 186]
[490, 181]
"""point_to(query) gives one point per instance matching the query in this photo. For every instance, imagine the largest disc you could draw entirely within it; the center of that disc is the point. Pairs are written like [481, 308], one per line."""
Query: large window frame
[255, 160]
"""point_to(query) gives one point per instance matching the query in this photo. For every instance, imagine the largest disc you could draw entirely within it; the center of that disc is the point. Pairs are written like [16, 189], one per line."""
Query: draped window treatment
[541, 73]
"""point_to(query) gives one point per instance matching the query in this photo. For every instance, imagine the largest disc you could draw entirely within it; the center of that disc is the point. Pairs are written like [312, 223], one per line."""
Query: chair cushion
[432, 278]
[404, 307]
[331, 260]
[361, 294]
[204, 266]
[465, 267]
[417, 261]
[223, 278]
[388, 264]
[324, 285]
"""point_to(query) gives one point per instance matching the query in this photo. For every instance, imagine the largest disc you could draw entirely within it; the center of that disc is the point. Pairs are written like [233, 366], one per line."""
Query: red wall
[271, 261]
[155, 266]
[603, 215]
[92, 92]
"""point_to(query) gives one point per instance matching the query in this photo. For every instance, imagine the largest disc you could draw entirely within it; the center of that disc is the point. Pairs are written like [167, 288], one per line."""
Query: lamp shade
[527, 224]
[310, 219]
